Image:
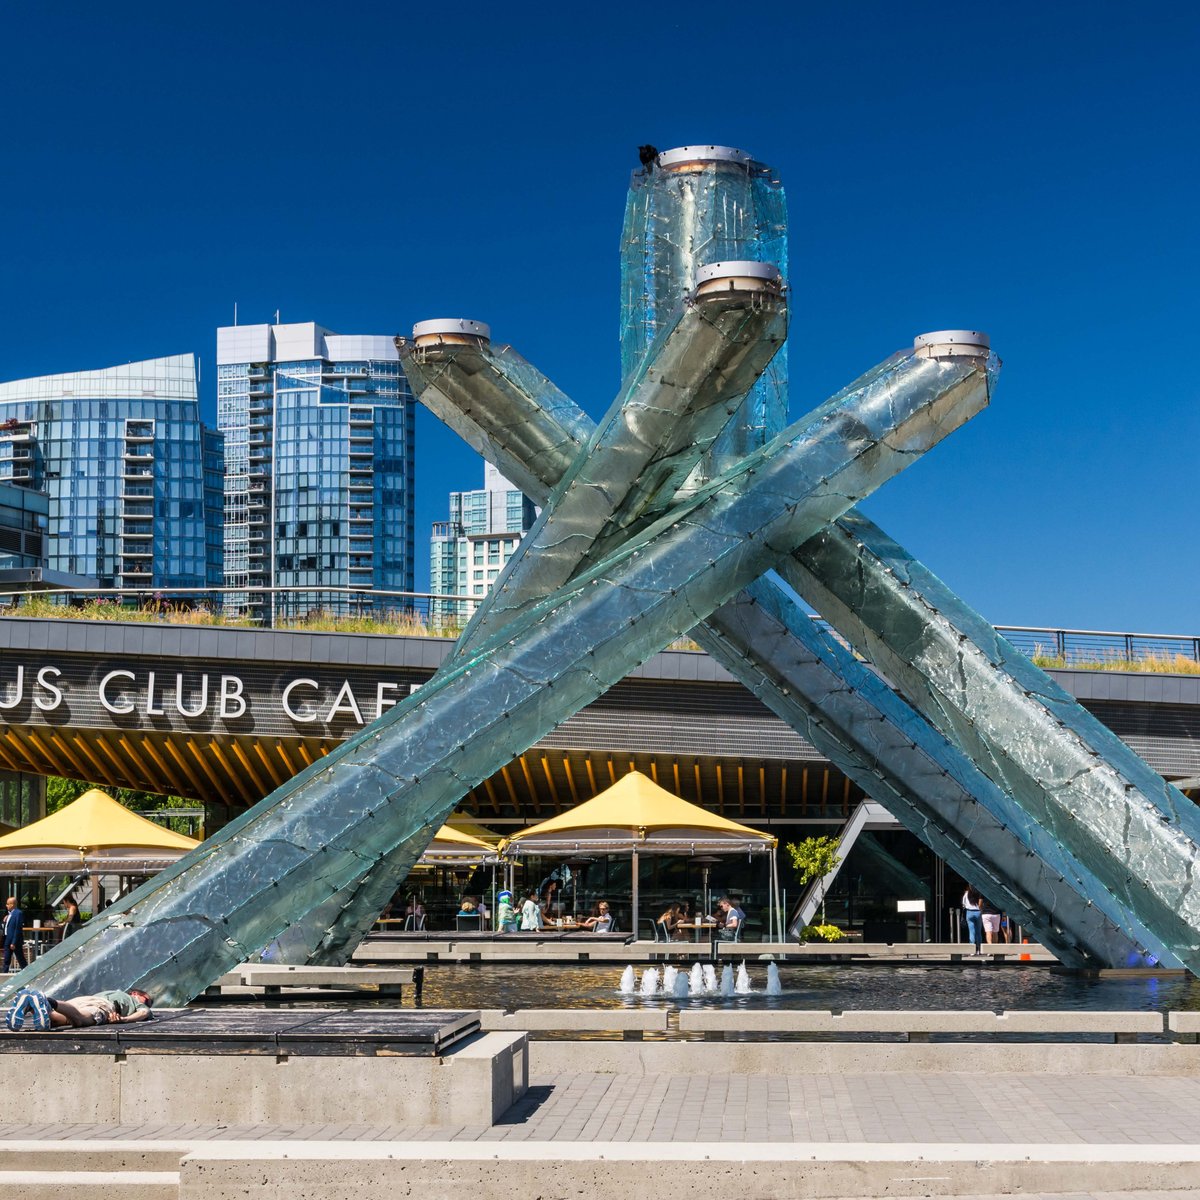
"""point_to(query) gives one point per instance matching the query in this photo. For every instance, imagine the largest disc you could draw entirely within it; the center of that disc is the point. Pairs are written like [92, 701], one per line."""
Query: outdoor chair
[468, 923]
[414, 923]
[661, 932]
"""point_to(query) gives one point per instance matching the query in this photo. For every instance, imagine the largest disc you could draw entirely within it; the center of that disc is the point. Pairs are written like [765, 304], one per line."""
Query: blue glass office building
[118, 453]
[318, 434]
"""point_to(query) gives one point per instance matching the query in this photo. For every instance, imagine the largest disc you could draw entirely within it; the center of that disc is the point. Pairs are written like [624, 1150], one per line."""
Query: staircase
[62, 1170]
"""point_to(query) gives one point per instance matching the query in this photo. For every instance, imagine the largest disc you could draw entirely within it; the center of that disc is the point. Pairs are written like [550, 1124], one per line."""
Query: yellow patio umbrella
[453, 845]
[96, 834]
[93, 831]
[636, 815]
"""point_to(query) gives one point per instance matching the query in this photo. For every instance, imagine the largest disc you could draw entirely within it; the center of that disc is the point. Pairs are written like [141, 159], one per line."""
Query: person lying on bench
[104, 1008]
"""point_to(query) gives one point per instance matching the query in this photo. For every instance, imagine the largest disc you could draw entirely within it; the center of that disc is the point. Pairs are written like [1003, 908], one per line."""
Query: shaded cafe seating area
[639, 820]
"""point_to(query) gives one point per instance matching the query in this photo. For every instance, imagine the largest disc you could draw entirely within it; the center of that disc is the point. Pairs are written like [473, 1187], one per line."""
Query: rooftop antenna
[277, 316]
[235, 312]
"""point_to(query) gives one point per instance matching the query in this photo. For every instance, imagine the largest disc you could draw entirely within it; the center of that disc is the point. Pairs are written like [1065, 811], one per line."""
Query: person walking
[971, 901]
[14, 934]
[990, 916]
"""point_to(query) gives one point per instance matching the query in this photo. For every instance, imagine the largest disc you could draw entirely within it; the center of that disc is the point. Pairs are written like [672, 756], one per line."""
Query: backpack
[28, 1009]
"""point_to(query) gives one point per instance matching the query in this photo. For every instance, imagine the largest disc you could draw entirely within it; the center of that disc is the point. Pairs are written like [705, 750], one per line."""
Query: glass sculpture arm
[952, 805]
[1137, 835]
[381, 794]
[688, 386]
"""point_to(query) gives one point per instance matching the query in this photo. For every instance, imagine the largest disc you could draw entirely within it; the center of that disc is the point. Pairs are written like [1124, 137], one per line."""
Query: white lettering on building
[48, 705]
[345, 702]
[12, 702]
[102, 692]
[309, 714]
[231, 693]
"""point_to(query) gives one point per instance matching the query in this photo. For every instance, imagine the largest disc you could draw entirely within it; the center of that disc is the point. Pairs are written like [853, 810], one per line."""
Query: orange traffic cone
[1025, 957]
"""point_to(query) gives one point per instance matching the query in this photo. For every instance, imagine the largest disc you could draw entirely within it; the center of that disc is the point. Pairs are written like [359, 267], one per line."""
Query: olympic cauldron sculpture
[689, 507]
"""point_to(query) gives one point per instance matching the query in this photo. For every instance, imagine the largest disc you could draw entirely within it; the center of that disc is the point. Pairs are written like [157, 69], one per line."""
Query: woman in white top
[531, 912]
[971, 910]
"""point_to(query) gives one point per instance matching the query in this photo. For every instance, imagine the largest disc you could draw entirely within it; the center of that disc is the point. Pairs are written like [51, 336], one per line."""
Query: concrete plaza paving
[896, 1107]
[895, 1133]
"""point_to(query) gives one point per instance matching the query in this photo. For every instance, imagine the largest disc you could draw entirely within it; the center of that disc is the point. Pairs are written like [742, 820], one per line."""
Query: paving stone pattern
[930, 1108]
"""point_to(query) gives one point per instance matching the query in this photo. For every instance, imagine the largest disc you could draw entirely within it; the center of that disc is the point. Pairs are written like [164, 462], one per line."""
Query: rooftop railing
[358, 609]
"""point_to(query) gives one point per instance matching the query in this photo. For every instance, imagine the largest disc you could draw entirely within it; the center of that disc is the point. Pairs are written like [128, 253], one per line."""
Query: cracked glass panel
[691, 207]
[1130, 829]
[382, 794]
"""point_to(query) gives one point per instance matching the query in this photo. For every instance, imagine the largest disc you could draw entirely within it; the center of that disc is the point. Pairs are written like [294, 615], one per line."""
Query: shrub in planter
[822, 933]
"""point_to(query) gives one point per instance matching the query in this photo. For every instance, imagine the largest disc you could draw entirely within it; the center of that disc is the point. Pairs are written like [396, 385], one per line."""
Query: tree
[814, 858]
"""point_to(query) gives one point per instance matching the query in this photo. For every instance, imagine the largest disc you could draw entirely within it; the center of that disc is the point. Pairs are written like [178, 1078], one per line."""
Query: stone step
[76, 1156]
[90, 1185]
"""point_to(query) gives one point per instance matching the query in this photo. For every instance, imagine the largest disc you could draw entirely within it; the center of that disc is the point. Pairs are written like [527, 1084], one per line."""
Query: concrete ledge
[578, 1020]
[1184, 1022]
[488, 1075]
[90, 1185]
[766, 1171]
[917, 1021]
[273, 975]
[451, 950]
[474, 1082]
[610, 1057]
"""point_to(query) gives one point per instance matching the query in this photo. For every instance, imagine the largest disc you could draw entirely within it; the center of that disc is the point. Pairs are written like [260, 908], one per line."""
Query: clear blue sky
[1030, 170]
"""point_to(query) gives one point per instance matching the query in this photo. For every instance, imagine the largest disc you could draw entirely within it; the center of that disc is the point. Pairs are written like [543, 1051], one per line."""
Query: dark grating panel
[354, 1032]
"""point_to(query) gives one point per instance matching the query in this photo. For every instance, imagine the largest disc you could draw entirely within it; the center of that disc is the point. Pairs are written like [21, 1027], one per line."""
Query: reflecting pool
[821, 986]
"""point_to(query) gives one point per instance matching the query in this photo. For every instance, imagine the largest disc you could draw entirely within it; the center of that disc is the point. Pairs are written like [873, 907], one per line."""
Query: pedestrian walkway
[857, 1136]
[887, 1108]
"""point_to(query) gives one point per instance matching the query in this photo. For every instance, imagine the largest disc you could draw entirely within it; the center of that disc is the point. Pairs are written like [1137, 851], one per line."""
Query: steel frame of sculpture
[668, 515]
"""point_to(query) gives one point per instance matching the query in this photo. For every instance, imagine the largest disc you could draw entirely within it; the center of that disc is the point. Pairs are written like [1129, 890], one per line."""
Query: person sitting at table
[602, 922]
[468, 907]
[670, 921]
[729, 920]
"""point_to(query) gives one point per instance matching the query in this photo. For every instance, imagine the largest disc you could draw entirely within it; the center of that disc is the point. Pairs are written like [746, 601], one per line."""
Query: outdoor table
[697, 926]
[35, 934]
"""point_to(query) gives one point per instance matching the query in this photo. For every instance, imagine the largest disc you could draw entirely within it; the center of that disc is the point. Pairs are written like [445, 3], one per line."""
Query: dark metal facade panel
[1167, 736]
[678, 703]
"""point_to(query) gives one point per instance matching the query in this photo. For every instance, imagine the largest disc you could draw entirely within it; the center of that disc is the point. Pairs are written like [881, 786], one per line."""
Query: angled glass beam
[811, 681]
[450, 370]
[1061, 899]
[690, 383]
[466, 380]
[1137, 835]
[394, 783]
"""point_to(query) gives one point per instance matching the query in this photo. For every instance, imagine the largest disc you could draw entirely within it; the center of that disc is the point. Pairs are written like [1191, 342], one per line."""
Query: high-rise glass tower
[690, 207]
[119, 454]
[318, 434]
[467, 552]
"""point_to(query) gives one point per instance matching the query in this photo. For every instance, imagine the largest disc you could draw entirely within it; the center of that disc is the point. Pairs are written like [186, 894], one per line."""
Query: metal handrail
[1061, 647]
